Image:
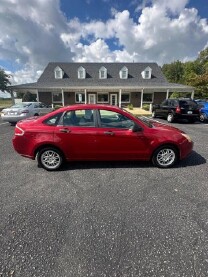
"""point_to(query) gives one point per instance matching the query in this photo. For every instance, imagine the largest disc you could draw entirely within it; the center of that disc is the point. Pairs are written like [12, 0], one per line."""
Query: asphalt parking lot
[104, 219]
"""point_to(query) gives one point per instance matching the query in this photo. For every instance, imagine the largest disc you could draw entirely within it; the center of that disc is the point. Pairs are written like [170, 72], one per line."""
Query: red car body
[113, 134]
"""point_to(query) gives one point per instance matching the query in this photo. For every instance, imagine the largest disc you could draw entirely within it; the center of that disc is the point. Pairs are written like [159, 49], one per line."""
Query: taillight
[178, 109]
[18, 131]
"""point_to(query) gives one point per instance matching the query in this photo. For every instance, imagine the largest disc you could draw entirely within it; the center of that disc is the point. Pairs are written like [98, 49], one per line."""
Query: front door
[116, 140]
[91, 98]
[113, 99]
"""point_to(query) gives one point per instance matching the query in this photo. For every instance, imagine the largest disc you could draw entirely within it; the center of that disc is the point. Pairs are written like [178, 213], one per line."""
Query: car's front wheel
[50, 158]
[165, 156]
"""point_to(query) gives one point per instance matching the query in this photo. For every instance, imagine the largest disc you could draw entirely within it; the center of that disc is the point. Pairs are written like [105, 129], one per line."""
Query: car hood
[164, 126]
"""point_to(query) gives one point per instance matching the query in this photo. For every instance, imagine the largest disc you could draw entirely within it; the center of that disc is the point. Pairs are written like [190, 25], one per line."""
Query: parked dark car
[176, 109]
[203, 110]
[98, 133]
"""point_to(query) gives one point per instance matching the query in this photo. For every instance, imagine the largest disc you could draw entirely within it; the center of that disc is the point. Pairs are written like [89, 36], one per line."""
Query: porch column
[192, 94]
[167, 93]
[119, 98]
[142, 98]
[62, 92]
[37, 94]
[85, 91]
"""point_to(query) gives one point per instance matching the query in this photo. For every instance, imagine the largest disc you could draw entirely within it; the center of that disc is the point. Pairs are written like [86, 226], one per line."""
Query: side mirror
[136, 128]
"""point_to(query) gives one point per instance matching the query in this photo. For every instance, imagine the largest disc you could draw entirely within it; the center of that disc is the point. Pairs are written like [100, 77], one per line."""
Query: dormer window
[58, 73]
[81, 73]
[123, 73]
[147, 73]
[103, 73]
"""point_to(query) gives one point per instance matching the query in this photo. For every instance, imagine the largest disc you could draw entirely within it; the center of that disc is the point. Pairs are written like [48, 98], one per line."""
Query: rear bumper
[186, 116]
[13, 118]
[21, 144]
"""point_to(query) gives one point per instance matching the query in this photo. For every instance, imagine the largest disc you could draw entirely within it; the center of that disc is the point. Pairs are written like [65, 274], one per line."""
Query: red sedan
[98, 133]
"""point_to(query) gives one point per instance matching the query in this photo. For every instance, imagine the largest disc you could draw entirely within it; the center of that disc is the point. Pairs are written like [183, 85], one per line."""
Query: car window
[53, 120]
[114, 120]
[184, 103]
[21, 105]
[81, 118]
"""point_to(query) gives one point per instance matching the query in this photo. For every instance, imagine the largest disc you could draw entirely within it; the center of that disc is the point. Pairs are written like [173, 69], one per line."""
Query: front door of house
[113, 99]
[91, 98]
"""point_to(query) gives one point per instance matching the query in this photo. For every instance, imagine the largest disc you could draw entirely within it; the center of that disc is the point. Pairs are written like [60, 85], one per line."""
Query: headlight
[187, 137]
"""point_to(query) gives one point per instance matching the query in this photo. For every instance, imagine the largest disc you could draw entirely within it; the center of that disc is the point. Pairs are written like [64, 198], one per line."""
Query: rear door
[76, 135]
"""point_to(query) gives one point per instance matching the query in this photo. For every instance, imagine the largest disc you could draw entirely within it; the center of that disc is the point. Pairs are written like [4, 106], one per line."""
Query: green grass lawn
[5, 102]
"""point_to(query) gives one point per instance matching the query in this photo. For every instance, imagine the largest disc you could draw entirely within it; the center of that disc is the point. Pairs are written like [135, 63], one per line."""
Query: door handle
[109, 133]
[65, 131]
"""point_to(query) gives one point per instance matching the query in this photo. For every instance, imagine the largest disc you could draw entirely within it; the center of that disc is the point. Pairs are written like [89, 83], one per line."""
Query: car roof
[89, 106]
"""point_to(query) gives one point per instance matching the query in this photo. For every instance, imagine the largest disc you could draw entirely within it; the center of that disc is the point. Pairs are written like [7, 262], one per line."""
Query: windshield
[147, 121]
[21, 105]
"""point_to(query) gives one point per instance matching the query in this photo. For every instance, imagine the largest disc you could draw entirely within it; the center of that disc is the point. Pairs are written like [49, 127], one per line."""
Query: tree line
[192, 73]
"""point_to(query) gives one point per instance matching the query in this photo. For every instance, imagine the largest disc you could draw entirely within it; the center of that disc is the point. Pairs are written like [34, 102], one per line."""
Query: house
[108, 83]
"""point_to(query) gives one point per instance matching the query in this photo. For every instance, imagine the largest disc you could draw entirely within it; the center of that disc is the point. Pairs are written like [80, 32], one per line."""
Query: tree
[4, 80]
[174, 72]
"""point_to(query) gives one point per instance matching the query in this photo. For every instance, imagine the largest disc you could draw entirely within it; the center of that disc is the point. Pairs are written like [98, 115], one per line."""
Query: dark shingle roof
[70, 78]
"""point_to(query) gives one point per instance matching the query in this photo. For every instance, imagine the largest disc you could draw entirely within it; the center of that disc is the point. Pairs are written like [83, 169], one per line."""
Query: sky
[36, 32]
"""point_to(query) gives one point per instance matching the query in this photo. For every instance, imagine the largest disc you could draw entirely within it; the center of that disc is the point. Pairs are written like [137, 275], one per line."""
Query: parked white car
[24, 110]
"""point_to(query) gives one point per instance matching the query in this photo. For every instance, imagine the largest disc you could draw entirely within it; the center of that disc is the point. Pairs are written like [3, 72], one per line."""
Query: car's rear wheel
[170, 118]
[202, 117]
[50, 158]
[165, 156]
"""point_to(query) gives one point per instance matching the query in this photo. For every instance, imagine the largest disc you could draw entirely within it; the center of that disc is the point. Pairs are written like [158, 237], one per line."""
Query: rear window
[183, 103]
[21, 105]
[53, 120]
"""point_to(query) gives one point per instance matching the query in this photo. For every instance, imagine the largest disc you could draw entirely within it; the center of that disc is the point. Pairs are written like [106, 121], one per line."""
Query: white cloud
[36, 32]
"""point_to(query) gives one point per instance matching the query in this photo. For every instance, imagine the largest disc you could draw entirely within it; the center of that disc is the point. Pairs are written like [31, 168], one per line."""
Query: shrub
[146, 107]
[130, 106]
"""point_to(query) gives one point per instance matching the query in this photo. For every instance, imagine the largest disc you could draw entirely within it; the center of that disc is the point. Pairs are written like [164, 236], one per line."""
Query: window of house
[81, 73]
[57, 97]
[102, 97]
[123, 73]
[80, 97]
[146, 74]
[102, 73]
[125, 97]
[58, 73]
[148, 97]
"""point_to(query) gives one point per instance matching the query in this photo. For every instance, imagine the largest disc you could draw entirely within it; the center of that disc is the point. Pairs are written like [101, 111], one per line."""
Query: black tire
[165, 157]
[36, 114]
[202, 117]
[170, 118]
[50, 158]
